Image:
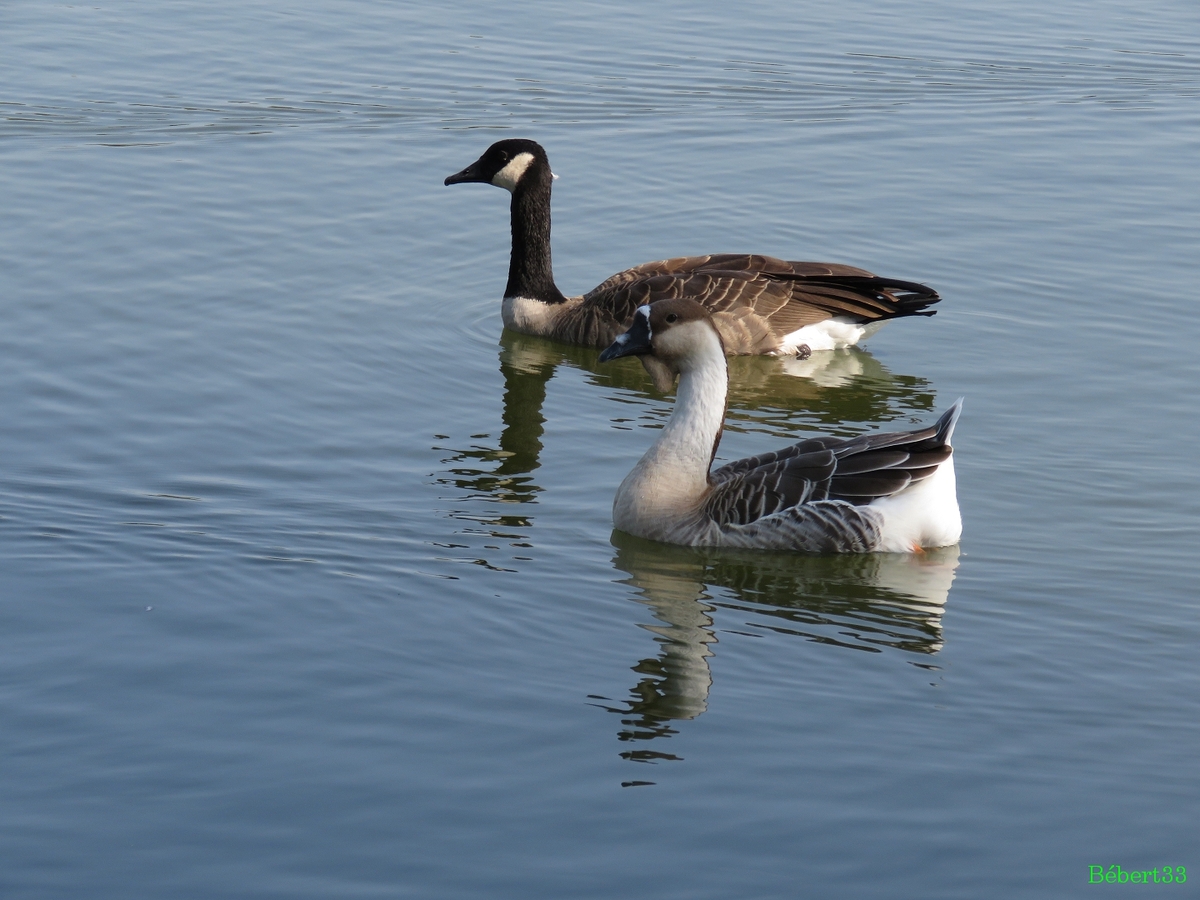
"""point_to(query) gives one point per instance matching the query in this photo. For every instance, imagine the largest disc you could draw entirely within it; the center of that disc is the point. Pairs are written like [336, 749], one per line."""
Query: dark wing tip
[945, 425]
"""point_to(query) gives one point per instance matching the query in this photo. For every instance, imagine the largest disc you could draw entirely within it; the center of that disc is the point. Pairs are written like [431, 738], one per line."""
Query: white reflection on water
[871, 602]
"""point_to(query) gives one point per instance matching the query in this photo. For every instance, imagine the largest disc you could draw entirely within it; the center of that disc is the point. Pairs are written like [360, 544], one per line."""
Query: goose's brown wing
[833, 288]
[758, 299]
[742, 303]
[860, 298]
[747, 263]
[716, 289]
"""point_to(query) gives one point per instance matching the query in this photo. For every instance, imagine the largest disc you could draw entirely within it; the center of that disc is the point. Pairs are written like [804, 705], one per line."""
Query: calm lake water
[308, 583]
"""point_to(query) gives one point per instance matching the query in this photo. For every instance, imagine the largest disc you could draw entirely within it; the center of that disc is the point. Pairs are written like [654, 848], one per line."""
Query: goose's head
[504, 164]
[670, 337]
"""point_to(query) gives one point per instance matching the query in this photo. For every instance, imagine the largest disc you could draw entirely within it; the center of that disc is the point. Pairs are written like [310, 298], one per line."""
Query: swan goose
[888, 492]
[761, 305]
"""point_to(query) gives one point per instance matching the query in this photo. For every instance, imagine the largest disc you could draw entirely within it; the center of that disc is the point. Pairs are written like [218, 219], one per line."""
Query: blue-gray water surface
[309, 583]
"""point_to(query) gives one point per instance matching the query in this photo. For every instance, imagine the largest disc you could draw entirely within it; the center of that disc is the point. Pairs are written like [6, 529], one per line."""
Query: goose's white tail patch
[830, 334]
[924, 515]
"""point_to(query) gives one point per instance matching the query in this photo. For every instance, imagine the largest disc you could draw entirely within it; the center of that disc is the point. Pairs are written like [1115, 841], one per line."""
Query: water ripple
[820, 87]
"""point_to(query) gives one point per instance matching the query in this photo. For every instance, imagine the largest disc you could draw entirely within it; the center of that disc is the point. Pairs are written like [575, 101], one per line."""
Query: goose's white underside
[923, 515]
[831, 334]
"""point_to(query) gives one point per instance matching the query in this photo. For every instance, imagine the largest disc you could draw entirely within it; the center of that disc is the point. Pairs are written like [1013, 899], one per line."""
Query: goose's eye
[503, 156]
[672, 317]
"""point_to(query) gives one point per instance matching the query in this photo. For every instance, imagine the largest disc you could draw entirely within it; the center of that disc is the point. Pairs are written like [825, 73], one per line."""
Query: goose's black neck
[529, 271]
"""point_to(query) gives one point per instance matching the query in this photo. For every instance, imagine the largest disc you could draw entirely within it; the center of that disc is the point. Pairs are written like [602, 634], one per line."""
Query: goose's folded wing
[776, 298]
[833, 288]
[881, 464]
[741, 303]
[749, 263]
[749, 490]
[863, 298]
[857, 470]
[718, 291]
[819, 289]
[750, 463]
[785, 502]
[745, 491]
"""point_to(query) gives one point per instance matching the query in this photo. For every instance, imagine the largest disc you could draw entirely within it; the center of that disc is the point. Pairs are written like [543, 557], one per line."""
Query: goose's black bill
[468, 175]
[634, 342]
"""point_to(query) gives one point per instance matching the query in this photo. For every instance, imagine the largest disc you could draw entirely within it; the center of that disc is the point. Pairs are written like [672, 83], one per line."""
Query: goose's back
[748, 263]
[756, 300]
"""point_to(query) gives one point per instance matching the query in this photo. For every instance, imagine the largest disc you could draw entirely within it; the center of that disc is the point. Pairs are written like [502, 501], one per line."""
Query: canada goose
[761, 305]
[890, 492]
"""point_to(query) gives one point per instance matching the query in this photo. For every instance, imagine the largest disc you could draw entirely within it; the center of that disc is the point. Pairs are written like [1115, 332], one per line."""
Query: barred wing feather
[784, 295]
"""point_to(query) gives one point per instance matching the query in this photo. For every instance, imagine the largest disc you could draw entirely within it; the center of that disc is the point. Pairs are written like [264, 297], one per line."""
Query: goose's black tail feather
[870, 296]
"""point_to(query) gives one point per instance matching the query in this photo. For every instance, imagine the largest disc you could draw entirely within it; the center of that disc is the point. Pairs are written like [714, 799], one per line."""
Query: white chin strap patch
[508, 177]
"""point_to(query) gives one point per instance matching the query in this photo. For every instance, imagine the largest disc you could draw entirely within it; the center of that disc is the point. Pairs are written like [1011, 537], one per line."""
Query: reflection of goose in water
[831, 388]
[502, 473]
[828, 370]
[874, 603]
[674, 685]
